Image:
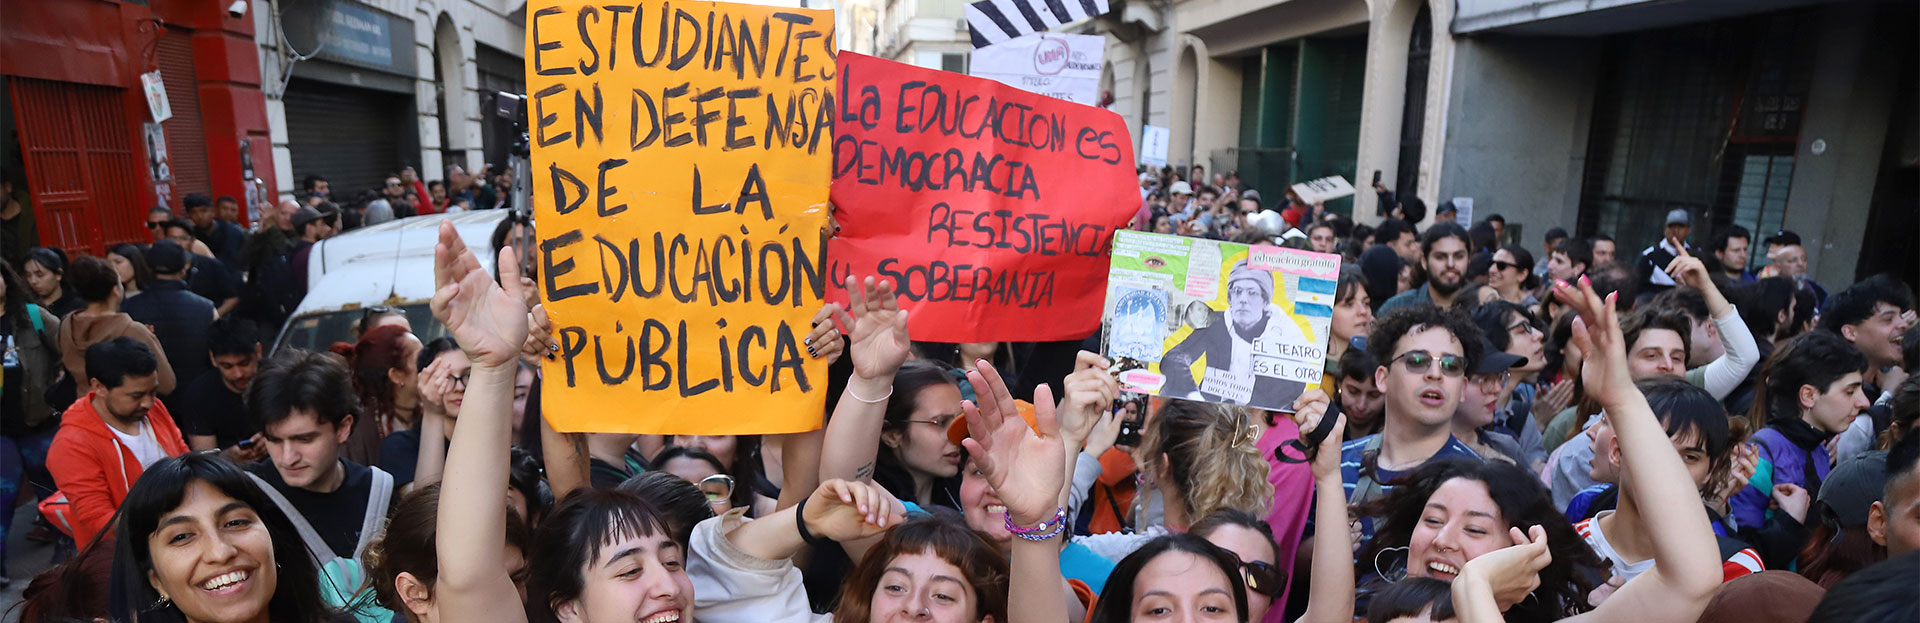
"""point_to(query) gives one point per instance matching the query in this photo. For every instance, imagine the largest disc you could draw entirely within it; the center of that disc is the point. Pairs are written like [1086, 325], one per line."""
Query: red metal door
[81, 165]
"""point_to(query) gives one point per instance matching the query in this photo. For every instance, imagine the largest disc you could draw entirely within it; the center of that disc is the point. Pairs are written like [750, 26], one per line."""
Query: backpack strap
[377, 500]
[317, 548]
[39, 326]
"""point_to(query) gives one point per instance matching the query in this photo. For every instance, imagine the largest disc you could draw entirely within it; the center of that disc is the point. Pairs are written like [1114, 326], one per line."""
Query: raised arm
[431, 461]
[880, 344]
[567, 460]
[1686, 560]
[1726, 373]
[800, 452]
[490, 323]
[1024, 466]
[1331, 599]
[1090, 393]
[1495, 581]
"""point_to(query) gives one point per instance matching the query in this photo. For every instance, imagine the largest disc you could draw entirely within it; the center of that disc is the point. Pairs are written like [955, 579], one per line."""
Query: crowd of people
[1485, 445]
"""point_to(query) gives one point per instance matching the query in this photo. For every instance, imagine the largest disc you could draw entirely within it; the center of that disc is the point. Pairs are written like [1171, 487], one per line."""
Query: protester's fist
[845, 510]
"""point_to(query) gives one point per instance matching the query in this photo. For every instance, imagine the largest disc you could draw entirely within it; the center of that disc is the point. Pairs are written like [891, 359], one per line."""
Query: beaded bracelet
[1046, 530]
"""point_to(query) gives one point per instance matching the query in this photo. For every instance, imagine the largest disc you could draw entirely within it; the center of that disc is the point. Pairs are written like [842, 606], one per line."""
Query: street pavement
[25, 559]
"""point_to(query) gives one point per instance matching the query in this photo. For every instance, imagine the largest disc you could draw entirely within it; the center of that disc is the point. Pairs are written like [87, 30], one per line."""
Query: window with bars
[1703, 117]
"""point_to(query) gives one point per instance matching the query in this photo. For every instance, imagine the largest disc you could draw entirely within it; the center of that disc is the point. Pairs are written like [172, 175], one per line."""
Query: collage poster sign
[1215, 321]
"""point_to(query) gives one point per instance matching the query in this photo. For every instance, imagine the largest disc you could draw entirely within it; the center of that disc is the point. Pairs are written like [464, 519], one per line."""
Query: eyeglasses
[1522, 325]
[156, 224]
[1491, 382]
[1263, 578]
[460, 382]
[1418, 361]
[1505, 264]
[718, 488]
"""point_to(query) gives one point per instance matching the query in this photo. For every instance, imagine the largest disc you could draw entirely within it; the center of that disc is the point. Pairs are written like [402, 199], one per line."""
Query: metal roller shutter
[186, 137]
[352, 137]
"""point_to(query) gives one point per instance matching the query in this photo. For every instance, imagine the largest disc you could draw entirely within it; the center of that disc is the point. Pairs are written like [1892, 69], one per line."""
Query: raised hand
[539, 342]
[1549, 403]
[1308, 411]
[1026, 466]
[432, 384]
[1687, 269]
[879, 333]
[489, 321]
[1105, 433]
[823, 342]
[1746, 460]
[1511, 572]
[845, 510]
[1090, 394]
[1597, 334]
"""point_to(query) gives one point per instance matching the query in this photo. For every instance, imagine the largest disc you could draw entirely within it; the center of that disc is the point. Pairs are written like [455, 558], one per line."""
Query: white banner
[1153, 145]
[1054, 65]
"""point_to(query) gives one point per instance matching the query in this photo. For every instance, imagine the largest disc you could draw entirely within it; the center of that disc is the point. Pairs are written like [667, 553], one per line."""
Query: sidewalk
[25, 559]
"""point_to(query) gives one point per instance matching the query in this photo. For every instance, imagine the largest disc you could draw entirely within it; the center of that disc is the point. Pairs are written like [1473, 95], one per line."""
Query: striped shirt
[1354, 460]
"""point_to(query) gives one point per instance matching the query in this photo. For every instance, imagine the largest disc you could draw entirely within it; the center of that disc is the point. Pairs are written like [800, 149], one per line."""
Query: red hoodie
[94, 470]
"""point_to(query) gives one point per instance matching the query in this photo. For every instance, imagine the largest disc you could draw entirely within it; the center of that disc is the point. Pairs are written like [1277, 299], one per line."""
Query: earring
[1387, 573]
[160, 604]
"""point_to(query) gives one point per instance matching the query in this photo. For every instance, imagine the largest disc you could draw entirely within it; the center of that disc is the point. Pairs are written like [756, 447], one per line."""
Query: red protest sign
[991, 208]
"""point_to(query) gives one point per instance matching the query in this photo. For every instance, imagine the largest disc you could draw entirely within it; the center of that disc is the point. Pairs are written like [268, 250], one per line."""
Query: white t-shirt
[1590, 531]
[146, 448]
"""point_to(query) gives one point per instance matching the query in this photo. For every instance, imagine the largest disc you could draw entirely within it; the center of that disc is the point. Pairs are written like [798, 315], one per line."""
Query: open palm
[1026, 466]
[489, 322]
[878, 327]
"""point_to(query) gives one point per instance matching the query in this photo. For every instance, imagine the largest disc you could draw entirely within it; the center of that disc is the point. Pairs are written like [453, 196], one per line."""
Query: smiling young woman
[198, 542]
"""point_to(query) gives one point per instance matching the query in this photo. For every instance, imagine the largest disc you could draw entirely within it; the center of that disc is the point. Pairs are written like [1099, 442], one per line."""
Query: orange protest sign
[989, 207]
[680, 175]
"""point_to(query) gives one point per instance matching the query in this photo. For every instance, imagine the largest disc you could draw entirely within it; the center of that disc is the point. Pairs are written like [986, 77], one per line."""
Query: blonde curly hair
[1210, 455]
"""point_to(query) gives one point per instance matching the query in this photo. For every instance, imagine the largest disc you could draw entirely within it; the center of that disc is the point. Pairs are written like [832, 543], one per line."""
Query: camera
[238, 9]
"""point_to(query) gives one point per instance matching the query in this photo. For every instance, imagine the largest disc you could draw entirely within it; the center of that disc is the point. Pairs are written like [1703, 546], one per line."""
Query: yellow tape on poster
[681, 155]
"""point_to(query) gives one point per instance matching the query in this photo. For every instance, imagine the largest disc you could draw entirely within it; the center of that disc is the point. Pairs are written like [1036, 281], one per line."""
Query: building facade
[361, 89]
[1596, 116]
[79, 146]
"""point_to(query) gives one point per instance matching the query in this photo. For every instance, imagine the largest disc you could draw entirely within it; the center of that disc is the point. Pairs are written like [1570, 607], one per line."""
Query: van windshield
[318, 331]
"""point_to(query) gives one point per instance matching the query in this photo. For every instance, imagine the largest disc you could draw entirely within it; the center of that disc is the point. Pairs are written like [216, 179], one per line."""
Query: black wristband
[800, 521]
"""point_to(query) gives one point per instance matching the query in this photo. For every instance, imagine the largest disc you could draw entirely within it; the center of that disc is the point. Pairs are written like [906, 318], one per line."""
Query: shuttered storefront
[186, 137]
[81, 165]
[352, 137]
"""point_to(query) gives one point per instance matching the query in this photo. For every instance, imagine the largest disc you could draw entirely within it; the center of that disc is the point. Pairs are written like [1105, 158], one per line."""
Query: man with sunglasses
[1425, 353]
[304, 402]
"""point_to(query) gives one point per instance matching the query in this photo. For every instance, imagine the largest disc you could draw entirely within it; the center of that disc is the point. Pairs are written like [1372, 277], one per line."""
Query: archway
[1186, 87]
[450, 86]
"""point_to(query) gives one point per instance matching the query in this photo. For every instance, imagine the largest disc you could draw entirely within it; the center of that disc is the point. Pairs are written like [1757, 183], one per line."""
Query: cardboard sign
[1054, 65]
[1153, 145]
[990, 208]
[1214, 321]
[680, 169]
[1323, 190]
[156, 91]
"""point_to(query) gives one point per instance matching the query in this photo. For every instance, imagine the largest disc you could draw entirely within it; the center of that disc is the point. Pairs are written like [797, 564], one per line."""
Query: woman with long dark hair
[27, 421]
[199, 542]
[131, 264]
[46, 271]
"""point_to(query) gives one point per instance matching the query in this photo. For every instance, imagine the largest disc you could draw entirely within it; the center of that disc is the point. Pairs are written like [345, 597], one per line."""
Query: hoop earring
[1386, 573]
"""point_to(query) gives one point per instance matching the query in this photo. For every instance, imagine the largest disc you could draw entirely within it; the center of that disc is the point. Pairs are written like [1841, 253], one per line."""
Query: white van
[386, 266]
